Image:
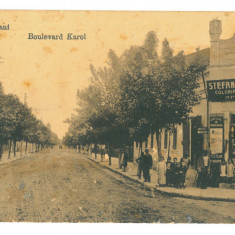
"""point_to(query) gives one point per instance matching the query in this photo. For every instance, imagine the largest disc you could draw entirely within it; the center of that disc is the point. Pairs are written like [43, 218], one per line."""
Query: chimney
[215, 32]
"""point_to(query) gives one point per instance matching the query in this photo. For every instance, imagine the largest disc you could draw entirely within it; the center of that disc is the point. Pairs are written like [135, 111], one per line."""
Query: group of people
[226, 171]
[145, 163]
[212, 174]
[169, 173]
[172, 173]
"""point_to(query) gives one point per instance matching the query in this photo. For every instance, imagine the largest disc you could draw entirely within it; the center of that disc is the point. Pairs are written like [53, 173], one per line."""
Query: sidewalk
[210, 194]
[12, 158]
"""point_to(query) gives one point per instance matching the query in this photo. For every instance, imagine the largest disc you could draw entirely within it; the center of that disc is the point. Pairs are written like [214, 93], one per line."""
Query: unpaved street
[62, 186]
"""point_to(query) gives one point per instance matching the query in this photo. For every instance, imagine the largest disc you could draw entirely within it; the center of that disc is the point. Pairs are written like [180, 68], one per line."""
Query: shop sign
[216, 122]
[216, 157]
[221, 90]
[202, 130]
[216, 137]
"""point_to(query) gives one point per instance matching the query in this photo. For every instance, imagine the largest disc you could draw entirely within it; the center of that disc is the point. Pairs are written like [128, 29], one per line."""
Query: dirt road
[61, 186]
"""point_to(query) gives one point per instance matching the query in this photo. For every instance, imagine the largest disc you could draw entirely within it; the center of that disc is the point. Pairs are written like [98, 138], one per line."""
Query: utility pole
[207, 114]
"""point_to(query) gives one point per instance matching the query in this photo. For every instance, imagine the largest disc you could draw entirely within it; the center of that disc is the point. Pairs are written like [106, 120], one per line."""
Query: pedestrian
[147, 165]
[215, 171]
[204, 178]
[121, 156]
[186, 159]
[198, 178]
[173, 171]
[125, 159]
[223, 171]
[169, 159]
[168, 171]
[140, 161]
[155, 158]
[161, 169]
[182, 174]
[205, 159]
[177, 175]
[230, 169]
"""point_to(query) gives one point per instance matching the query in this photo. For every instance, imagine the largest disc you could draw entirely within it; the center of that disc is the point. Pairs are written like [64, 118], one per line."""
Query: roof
[203, 54]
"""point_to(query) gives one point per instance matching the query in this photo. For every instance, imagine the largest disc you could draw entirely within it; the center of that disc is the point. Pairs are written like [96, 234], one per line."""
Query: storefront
[211, 125]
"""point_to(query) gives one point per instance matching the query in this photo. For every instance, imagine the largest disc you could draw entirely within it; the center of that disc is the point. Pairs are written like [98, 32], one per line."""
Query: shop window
[232, 136]
[165, 139]
[174, 138]
[151, 140]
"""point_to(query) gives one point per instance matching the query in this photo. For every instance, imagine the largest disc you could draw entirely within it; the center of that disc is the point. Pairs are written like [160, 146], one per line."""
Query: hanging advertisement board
[216, 137]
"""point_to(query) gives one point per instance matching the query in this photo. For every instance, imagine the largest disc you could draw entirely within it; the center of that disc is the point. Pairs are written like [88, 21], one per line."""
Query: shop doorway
[196, 142]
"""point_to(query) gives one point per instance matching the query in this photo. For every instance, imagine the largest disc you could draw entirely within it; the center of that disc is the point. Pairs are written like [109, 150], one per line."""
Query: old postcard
[117, 116]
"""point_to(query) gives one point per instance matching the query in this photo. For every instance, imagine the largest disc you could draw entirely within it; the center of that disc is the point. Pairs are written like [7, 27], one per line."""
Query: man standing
[140, 161]
[125, 159]
[147, 165]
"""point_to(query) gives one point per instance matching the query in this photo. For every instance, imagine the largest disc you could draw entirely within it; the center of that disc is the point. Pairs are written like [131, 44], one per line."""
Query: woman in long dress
[161, 169]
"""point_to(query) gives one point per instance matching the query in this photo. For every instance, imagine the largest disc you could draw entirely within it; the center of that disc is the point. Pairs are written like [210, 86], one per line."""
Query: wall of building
[222, 66]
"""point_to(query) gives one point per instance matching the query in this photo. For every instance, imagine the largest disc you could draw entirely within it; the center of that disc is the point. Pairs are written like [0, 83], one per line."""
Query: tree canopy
[18, 123]
[135, 94]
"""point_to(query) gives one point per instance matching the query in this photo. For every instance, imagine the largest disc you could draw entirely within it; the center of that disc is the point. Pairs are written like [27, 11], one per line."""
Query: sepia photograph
[117, 116]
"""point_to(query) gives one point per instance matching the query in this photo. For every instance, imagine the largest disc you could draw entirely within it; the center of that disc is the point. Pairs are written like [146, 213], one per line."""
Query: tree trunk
[1, 151]
[120, 159]
[169, 146]
[101, 153]
[140, 149]
[95, 151]
[9, 153]
[14, 148]
[26, 145]
[158, 137]
[21, 148]
[89, 150]
[109, 153]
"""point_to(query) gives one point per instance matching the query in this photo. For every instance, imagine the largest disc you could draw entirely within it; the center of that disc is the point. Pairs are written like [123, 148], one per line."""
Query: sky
[50, 72]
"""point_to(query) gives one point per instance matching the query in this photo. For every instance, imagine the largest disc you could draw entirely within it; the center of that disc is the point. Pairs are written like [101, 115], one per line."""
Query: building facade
[211, 124]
